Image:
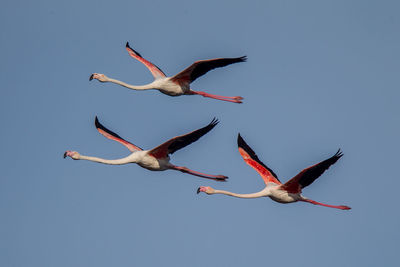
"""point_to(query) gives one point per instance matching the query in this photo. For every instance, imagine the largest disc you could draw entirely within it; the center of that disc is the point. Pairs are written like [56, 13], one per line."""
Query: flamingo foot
[220, 178]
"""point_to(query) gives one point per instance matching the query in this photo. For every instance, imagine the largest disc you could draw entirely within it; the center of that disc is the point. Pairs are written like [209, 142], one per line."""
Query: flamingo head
[101, 77]
[206, 189]
[73, 154]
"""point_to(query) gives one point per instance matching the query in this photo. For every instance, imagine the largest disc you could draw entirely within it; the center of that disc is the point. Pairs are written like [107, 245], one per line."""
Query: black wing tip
[339, 154]
[136, 52]
[242, 59]
[237, 59]
[240, 141]
[214, 122]
[243, 145]
[97, 123]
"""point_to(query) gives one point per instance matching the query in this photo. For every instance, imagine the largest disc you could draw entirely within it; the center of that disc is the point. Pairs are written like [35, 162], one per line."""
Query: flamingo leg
[234, 99]
[219, 178]
[326, 205]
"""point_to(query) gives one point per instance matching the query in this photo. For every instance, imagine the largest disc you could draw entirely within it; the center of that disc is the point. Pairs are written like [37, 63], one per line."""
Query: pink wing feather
[113, 136]
[156, 71]
[251, 158]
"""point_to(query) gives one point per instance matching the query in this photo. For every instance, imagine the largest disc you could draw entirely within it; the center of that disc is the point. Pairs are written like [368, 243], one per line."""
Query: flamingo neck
[133, 87]
[252, 195]
[326, 205]
[107, 161]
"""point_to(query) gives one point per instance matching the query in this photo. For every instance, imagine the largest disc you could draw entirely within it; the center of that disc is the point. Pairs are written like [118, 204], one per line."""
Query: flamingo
[180, 83]
[283, 193]
[156, 159]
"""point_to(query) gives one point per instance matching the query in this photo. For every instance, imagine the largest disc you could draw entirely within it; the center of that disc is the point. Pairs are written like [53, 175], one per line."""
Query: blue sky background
[321, 75]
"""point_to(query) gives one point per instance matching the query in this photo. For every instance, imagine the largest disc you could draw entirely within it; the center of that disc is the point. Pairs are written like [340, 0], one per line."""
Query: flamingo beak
[91, 77]
[65, 154]
[198, 190]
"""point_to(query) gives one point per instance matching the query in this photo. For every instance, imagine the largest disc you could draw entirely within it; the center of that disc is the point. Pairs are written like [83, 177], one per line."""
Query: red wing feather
[310, 174]
[252, 159]
[156, 71]
[181, 141]
[201, 67]
[113, 136]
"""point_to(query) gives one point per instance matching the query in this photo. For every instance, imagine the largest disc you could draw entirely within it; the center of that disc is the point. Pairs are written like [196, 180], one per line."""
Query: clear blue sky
[321, 75]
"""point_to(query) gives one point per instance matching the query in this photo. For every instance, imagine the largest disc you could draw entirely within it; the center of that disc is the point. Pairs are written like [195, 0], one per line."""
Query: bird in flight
[283, 193]
[156, 159]
[180, 83]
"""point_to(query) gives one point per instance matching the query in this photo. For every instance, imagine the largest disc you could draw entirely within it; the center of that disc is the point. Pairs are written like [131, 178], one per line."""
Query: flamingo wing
[181, 141]
[156, 71]
[251, 158]
[310, 174]
[113, 136]
[201, 67]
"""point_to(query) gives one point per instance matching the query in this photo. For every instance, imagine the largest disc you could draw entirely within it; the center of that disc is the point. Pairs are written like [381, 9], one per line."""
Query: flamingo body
[156, 159]
[283, 193]
[283, 196]
[178, 84]
[147, 161]
[152, 163]
[169, 87]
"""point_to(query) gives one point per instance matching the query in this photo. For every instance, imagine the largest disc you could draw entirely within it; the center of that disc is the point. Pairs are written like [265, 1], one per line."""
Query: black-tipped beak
[65, 155]
[198, 190]
[91, 77]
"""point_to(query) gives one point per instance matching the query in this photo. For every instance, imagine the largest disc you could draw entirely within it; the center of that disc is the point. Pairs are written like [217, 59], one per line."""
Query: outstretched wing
[113, 136]
[156, 71]
[181, 141]
[201, 67]
[251, 159]
[310, 174]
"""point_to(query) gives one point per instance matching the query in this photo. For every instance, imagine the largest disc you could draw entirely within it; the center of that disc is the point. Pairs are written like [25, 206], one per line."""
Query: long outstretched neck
[106, 161]
[253, 195]
[133, 87]
[326, 205]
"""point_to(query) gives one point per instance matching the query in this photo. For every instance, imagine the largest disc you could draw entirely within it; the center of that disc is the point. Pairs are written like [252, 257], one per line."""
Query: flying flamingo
[283, 193]
[156, 159]
[180, 83]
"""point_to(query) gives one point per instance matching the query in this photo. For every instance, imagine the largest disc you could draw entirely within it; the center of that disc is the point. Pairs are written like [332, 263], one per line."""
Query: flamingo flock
[158, 158]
